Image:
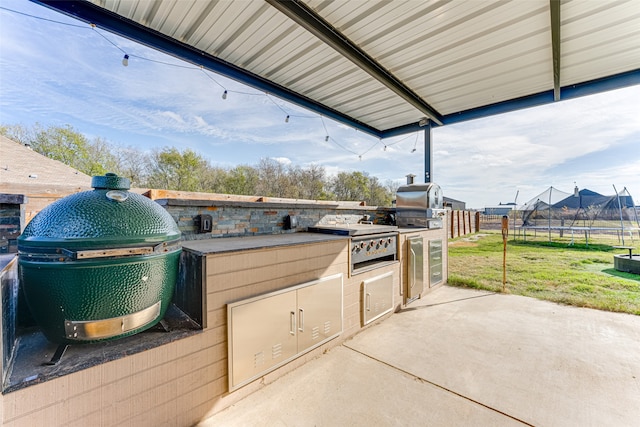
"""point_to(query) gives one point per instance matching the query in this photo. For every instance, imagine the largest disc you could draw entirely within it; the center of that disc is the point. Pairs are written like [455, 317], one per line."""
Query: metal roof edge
[616, 81]
[592, 87]
[403, 130]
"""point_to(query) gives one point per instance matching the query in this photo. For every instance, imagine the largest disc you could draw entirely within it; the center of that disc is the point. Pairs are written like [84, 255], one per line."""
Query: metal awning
[385, 66]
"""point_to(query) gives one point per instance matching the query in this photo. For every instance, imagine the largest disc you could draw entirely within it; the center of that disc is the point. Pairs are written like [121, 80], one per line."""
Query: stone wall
[240, 218]
[12, 220]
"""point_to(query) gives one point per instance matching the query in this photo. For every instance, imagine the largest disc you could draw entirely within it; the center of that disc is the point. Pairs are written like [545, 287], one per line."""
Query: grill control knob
[372, 244]
[361, 245]
[389, 240]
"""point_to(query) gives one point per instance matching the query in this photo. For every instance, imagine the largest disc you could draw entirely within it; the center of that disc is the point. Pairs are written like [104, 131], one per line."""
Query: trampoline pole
[505, 234]
[550, 191]
[620, 208]
[515, 212]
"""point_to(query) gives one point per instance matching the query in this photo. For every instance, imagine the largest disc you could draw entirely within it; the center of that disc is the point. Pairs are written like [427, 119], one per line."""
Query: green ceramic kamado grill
[99, 265]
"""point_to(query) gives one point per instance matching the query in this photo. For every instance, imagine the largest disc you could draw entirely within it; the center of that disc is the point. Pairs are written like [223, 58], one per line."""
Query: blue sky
[59, 74]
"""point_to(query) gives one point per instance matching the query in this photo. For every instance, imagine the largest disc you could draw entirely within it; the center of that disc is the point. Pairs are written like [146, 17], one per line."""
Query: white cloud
[487, 161]
[282, 160]
[171, 116]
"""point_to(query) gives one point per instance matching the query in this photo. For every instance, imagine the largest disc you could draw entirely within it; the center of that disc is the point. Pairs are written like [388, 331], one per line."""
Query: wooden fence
[462, 223]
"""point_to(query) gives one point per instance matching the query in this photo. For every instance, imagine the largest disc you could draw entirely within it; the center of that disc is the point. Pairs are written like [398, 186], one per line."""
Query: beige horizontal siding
[286, 269]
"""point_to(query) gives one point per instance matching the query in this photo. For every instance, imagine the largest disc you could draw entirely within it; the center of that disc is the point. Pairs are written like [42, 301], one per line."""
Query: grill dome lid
[107, 217]
[427, 196]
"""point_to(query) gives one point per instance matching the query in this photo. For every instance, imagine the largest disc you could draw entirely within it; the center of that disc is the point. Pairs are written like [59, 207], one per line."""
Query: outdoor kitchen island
[256, 288]
[187, 380]
[264, 278]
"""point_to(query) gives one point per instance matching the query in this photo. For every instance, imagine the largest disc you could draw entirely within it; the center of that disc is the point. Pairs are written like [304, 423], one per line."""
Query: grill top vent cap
[110, 181]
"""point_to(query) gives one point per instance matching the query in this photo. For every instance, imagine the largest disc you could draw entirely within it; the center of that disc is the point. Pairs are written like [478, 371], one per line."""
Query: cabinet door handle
[368, 302]
[412, 266]
[301, 321]
[292, 323]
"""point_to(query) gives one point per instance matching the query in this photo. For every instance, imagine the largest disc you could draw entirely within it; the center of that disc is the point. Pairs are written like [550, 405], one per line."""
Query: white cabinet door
[262, 334]
[319, 312]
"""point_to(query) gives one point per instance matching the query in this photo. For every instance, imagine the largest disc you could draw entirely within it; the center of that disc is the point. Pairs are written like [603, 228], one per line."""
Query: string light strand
[371, 148]
[400, 140]
[42, 19]
[415, 144]
[127, 56]
[94, 28]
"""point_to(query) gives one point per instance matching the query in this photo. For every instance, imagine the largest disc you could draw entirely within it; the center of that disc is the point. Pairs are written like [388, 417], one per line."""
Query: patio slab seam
[441, 387]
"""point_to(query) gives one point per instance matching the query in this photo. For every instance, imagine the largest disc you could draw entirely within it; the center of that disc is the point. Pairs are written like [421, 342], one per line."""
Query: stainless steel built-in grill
[420, 205]
[371, 244]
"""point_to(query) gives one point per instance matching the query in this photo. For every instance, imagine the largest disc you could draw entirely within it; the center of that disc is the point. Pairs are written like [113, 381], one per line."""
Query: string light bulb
[385, 148]
[326, 138]
[125, 60]
[224, 94]
[360, 157]
[413, 151]
[286, 120]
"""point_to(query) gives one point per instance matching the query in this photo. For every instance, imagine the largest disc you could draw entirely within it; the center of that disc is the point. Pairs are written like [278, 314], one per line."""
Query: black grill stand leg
[164, 326]
[57, 355]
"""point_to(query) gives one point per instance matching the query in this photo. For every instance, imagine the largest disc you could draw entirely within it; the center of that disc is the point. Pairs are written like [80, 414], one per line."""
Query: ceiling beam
[555, 44]
[316, 25]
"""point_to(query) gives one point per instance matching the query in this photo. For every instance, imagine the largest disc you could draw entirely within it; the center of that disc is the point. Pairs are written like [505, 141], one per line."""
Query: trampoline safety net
[557, 209]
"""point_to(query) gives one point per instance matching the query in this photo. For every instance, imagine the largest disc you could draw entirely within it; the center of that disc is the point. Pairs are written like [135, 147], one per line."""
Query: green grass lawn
[577, 275]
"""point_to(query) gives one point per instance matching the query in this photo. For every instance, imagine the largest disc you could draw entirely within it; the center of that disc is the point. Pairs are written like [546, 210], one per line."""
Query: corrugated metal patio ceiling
[382, 66]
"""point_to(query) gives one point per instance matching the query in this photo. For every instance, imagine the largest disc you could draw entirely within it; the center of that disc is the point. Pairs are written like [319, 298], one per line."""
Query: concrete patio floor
[461, 357]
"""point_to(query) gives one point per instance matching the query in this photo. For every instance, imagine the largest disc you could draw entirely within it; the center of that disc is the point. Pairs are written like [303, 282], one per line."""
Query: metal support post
[428, 159]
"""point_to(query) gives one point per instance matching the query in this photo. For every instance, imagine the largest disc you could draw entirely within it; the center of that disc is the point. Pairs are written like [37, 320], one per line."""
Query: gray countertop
[406, 230]
[234, 244]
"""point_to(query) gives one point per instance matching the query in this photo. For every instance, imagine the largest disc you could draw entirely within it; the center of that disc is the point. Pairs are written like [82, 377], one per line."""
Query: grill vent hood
[419, 205]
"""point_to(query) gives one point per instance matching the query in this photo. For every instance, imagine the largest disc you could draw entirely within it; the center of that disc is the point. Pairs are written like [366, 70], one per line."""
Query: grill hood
[419, 205]
[107, 217]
